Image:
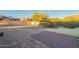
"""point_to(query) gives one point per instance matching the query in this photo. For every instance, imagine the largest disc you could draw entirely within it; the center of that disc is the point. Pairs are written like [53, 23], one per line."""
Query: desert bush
[71, 24]
[62, 24]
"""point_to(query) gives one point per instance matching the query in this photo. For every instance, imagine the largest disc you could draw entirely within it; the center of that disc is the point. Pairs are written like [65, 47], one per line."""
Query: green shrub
[71, 24]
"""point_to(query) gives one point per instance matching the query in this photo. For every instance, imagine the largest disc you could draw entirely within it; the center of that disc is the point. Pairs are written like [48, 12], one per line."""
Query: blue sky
[28, 13]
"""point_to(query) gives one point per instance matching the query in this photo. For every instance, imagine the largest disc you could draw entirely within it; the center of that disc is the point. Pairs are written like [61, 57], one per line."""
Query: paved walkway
[67, 31]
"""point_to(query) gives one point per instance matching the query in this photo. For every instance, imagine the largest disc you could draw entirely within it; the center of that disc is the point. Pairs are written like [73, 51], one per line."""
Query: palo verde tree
[39, 16]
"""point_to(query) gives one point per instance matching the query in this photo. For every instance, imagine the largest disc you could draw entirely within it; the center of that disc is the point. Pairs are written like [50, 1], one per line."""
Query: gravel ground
[56, 40]
[20, 38]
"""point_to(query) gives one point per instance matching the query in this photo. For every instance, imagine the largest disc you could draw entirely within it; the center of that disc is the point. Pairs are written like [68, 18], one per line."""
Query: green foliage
[39, 16]
[63, 24]
[1, 18]
[71, 24]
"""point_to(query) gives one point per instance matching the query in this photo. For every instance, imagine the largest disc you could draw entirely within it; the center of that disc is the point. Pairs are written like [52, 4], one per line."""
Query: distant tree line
[69, 21]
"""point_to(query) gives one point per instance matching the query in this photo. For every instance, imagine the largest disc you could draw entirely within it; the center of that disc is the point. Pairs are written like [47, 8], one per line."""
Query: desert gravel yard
[20, 38]
[23, 37]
